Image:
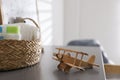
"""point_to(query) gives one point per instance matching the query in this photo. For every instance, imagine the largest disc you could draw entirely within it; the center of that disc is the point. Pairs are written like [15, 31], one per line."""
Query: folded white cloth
[13, 36]
[28, 32]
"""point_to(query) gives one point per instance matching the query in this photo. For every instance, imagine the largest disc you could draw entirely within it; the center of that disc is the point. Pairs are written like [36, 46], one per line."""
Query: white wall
[16, 8]
[52, 18]
[58, 22]
[97, 19]
[71, 20]
[52, 21]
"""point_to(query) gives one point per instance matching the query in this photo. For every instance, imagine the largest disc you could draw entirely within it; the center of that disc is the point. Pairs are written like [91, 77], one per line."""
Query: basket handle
[32, 21]
[35, 24]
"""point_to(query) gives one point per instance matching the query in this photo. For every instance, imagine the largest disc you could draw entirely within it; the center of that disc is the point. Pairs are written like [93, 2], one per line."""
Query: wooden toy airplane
[67, 61]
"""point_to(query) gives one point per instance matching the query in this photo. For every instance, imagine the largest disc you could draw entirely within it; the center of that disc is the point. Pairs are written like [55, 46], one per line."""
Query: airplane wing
[77, 67]
[94, 64]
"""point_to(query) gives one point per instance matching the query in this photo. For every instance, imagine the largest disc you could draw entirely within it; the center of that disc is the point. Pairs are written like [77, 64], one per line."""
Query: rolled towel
[36, 33]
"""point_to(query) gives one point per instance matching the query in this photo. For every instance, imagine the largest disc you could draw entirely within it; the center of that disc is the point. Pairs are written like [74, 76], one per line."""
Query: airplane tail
[91, 60]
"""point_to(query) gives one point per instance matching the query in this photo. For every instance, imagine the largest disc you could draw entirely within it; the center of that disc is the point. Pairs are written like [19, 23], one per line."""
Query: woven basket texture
[16, 54]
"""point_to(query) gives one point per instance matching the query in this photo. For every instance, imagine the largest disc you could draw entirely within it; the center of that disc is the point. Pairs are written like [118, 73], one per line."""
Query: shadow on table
[28, 73]
[74, 74]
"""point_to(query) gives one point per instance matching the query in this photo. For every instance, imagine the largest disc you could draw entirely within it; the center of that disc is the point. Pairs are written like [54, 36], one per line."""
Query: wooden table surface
[47, 68]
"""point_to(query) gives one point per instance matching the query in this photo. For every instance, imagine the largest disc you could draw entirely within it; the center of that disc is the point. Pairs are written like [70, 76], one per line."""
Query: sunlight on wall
[16, 8]
[46, 21]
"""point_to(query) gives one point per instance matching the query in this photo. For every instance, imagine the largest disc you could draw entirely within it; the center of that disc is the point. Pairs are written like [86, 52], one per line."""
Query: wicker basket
[16, 54]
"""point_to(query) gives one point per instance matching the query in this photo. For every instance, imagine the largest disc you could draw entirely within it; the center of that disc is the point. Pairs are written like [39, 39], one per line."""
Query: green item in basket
[12, 29]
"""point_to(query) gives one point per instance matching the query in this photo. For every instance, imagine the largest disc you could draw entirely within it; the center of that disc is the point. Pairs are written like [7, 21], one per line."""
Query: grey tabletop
[47, 68]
